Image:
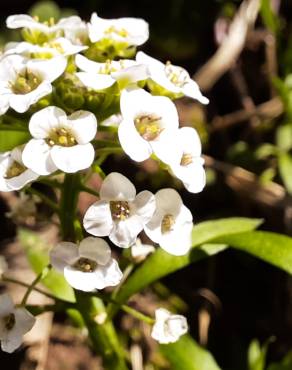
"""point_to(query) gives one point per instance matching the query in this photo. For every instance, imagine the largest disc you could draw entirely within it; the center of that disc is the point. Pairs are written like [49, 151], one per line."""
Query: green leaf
[161, 263]
[10, 139]
[284, 137]
[37, 253]
[285, 169]
[285, 364]
[186, 354]
[257, 355]
[273, 248]
[269, 17]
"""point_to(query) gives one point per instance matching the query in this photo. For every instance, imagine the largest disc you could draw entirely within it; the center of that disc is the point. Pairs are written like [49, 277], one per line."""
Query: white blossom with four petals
[88, 266]
[14, 175]
[60, 142]
[172, 78]
[149, 125]
[24, 82]
[172, 223]
[14, 323]
[120, 213]
[168, 328]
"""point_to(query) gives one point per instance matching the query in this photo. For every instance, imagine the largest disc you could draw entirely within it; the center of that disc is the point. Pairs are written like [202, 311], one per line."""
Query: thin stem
[44, 198]
[88, 190]
[38, 278]
[109, 150]
[57, 307]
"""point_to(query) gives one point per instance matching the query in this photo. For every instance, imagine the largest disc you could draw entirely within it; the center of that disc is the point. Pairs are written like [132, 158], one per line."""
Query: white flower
[99, 76]
[120, 213]
[75, 29]
[14, 323]
[88, 266]
[23, 81]
[14, 175]
[149, 125]
[140, 251]
[131, 31]
[59, 46]
[172, 223]
[60, 142]
[172, 78]
[187, 164]
[168, 328]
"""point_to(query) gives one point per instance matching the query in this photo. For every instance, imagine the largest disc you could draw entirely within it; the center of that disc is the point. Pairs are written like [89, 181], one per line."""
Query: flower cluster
[67, 77]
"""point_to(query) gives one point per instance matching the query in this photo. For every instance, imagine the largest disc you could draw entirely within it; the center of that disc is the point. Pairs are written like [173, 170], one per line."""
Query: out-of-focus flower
[120, 213]
[60, 142]
[172, 223]
[149, 125]
[14, 175]
[23, 82]
[130, 31]
[168, 328]
[99, 76]
[88, 266]
[140, 251]
[172, 78]
[14, 323]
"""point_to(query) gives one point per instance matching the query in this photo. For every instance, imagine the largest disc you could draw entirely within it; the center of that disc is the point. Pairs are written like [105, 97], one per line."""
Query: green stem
[57, 307]
[108, 150]
[38, 278]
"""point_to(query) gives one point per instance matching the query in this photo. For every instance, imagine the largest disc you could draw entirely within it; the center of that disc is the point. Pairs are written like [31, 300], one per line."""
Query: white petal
[191, 89]
[166, 147]
[18, 182]
[49, 69]
[85, 281]
[108, 275]
[63, 254]
[131, 75]
[45, 120]
[95, 81]
[36, 156]
[95, 249]
[132, 143]
[190, 141]
[169, 201]
[74, 158]
[87, 65]
[153, 63]
[144, 205]
[117, 187]
[6, 304]
[140, 251]
[124, 233]
[11, 342]
[4, 104]
[193, 176]
[98, 220]
[24, 320]
[84, 126]
[25, 21]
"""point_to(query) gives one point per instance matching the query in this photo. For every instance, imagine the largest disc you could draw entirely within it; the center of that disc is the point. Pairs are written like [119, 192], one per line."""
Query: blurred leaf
[186, 354]
[273, 248]
[284, 137]
[267, 176]
[285, 364]
[257, 355]
[45, 10]
[270, 19]
[265, 150]
[285, 169]
[10, 139]
[37, 253]
[161, 263]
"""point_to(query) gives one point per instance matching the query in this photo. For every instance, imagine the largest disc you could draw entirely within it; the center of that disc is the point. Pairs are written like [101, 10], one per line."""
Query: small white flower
[168, 328]
[140, 251]
[99, 76]
[172, 78]
[14, 175]
[75, 29]
[120, 213]
[60, 142]
[172, 223]
[59, 46]
[187, 164]
[14, 323]
[88, 266]
[149, 125]
[23, 82]
[131, 31]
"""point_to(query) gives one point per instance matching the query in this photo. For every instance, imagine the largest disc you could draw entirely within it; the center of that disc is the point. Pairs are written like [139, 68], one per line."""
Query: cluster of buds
[69, 78]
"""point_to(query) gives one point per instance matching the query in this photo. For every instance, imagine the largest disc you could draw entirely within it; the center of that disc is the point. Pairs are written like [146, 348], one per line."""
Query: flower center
[167, 222]
[14, 170]
[176, 75]
[54, 45]
[9, 321]
[186, 159]
[85, 265]
[148, 126]
[25, 82]
[120, 210]
[112, 30]
[62, 137]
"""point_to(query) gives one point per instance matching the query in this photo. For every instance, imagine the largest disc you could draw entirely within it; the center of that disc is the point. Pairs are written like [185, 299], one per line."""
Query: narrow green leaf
[161, 263]
[37, 253]
[186, 354]
[269, 17]
[285, 169]
[273, 248]
[257, 355]
[284, 136]
[10, 139]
